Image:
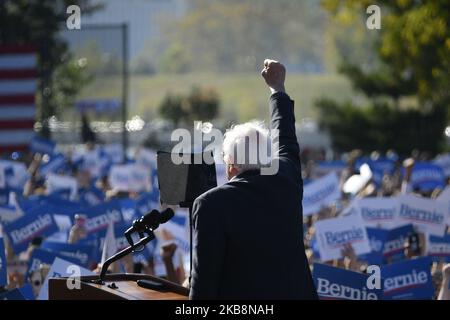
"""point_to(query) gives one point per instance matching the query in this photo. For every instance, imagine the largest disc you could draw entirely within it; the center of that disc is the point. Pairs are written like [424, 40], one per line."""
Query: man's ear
[231, 171]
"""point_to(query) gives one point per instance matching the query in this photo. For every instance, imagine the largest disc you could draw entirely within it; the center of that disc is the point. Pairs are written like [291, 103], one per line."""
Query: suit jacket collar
[246, 174]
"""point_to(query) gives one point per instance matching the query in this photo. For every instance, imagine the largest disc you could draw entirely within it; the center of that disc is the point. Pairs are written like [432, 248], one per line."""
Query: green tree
[171, 108]
[381, 127]
[69, 79]
[199, 104]
[203, 104]
[407, 87]
[38, 22]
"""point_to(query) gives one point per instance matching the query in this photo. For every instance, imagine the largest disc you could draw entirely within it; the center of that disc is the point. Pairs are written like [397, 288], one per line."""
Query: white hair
[247, 146]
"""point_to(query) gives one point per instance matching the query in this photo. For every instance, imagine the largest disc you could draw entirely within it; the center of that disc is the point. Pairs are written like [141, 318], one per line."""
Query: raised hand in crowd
[78, 230]
[167, 254]
[350, 260]
[414, 245]
[37, 278]
[168, 251]
[444, 293]
[31, 185]
[408, 164]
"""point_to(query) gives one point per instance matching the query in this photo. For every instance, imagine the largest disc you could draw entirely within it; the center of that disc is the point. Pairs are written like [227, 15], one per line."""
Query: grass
[243, 95]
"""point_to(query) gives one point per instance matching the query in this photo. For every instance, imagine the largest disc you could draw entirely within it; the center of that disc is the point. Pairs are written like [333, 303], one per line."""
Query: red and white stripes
[18, 84]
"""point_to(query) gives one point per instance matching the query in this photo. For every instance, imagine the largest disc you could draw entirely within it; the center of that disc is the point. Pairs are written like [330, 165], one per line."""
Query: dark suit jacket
[248, 233]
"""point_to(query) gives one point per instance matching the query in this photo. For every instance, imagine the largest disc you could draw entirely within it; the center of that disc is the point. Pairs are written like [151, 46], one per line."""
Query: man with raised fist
[247, 233]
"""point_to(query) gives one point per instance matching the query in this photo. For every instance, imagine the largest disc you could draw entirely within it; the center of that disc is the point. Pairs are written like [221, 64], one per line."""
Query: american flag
[17, 96]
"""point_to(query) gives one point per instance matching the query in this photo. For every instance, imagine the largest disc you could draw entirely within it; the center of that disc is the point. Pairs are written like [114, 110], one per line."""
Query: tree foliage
[408, 86]
[199, 104]
[380, 127]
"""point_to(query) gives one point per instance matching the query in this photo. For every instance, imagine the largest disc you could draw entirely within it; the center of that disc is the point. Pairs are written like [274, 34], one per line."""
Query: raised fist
[168, 251]
[274, 73]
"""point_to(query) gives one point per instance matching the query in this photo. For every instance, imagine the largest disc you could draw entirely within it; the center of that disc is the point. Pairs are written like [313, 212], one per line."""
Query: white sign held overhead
[427, 215]
[56, 182]
[320, 193]
[129, 177]
[333, 234]
[378, 212]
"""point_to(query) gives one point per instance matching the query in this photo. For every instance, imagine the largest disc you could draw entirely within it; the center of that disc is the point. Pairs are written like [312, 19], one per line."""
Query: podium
[116, 287]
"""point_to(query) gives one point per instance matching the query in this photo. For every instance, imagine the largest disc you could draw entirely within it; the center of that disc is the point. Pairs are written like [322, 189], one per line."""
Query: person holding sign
[247, 233]
[444, 293]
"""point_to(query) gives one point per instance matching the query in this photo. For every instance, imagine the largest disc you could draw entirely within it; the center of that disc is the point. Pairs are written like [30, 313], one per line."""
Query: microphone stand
[119, 255]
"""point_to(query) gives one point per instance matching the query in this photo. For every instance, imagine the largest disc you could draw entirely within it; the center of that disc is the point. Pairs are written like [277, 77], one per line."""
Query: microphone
[166, 215]
[148, 220]
[148, 223]
[155, 218]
